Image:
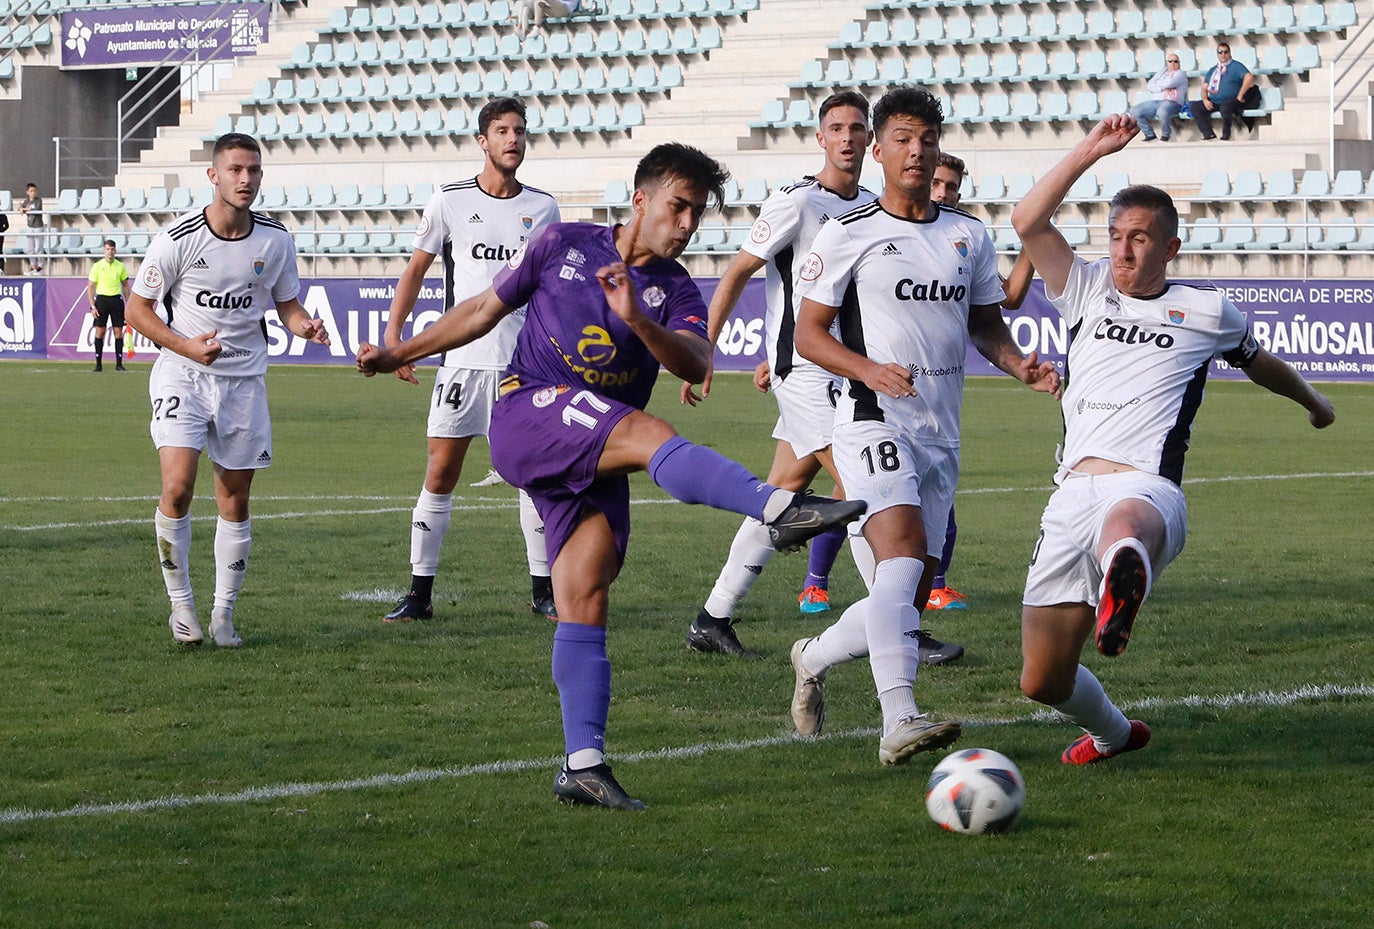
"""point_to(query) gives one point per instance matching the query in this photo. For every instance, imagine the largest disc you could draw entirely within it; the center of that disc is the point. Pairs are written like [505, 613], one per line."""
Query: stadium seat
[991, 187]
[1348, 183]
[1203, 233]
[1281, 185]
[1341, 232]
[1237, 235]
[1272, 233]
[373, 196]
[1216, 185]
[1247, 185]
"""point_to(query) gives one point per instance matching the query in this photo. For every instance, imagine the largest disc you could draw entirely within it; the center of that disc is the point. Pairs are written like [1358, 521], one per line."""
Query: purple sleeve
[686, 308]
[519, 279]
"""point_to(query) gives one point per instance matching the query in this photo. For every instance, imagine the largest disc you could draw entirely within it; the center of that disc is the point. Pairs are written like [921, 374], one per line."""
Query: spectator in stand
[36, 242]
[1168, 89]
[1228, 88]
[539, 10]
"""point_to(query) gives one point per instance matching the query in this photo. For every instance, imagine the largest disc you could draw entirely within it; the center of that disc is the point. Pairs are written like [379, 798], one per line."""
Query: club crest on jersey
[654, 296]
[423, 227]
[960, 247]
[761, 231]
[518, 257]
[526, 222]
[546, 395]
[152, 276]
[259, 265]
[1176, 316]
[811, 268]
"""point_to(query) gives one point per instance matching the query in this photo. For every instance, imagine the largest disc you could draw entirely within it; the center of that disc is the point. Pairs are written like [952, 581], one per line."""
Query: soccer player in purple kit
[605, 307]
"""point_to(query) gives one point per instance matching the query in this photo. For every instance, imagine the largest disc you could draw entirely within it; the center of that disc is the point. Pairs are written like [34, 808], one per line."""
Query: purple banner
[1325, 329]
[150, 35]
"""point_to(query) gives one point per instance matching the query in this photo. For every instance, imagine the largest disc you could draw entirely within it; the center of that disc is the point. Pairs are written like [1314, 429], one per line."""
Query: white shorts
[806, 409]
[460, 406]
[226, 416]
[886, 468]
[1064, 566]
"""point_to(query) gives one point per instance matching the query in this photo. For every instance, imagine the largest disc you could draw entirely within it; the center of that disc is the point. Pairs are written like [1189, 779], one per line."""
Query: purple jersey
[571, 337]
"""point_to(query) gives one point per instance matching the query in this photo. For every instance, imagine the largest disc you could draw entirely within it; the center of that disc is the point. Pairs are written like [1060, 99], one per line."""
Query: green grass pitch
[341, 772]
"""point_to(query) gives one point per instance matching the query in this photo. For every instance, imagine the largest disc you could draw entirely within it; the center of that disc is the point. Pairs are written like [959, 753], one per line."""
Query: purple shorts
[547, 441]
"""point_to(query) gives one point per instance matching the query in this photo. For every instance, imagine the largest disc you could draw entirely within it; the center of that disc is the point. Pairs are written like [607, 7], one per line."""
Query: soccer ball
[975, 791]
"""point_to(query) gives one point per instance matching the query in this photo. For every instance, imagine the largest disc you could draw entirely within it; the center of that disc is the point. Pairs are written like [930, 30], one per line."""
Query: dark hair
[232, 140]
[1150, 198]
[908, 100]
[843, 98]
[31, 184]
[674, 159]
[109, 242]
[954, 163]
[498, 107]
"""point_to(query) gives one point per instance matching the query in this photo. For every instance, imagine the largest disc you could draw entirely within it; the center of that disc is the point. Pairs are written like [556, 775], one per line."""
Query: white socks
[533, 528]
[778, 501]
[174, 554]
[1089, 708]
[428, 524]
[233, 542]
[749, 552]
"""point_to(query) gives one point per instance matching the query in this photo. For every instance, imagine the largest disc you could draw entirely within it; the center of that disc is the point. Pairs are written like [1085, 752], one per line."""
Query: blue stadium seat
[1348, 183]
[1203, 233]
[1341, 232]
[1019, 185]
[1113, 183]
[135, 201]
[1315, 183]
[772, 116]
[297, 197]
[322, 196]
[1280, 185]
[1272, 233]
[1237, 235]
[1216, 185]
[991, 187]
[1085, 188]
[1279, 18]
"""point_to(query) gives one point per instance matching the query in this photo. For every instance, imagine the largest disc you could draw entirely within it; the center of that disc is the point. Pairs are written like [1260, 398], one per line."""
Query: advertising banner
[1325, 329]
[150, 35]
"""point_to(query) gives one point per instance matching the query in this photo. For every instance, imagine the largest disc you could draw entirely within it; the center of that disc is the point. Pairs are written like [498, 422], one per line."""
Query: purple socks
[583, 675]
[696, 474]
[824, 549]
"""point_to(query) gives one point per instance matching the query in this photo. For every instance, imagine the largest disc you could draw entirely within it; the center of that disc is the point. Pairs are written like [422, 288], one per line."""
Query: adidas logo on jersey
[265, 457]
[474, 218]
[240, 565]
[892, 250]
[200, 264]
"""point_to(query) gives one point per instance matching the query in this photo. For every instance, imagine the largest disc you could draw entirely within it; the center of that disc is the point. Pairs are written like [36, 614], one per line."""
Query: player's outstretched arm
[299, 321]
[464, 323]
[203, 348]
[403, 304]
[1041, 241]
[989, 334]
[814, 342]
[723, 301]
[1273, 373]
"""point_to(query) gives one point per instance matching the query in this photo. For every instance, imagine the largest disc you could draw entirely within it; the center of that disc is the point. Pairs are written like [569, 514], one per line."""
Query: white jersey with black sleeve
[476, 234]
[206, 283]
[782, 235]
[1137, 367]
[903, 289]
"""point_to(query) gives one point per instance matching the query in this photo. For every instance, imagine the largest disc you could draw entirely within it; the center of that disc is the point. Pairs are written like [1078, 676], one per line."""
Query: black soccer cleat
[541, 597]
[709, 634]
[409, 608]
[808, 516]
[935, 652]
[594, 786]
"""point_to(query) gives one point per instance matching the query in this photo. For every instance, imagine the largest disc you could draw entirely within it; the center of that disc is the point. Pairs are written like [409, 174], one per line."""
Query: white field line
[1306, 693]
[497, 503]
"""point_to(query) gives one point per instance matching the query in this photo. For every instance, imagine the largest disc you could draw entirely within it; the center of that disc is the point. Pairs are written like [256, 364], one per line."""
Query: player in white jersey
[949, 178]
[476, 226]
[217, 273]
[909, 281]
[1140, 347]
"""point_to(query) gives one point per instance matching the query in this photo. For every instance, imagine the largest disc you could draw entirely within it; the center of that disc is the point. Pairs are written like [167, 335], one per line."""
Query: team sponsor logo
[892, 249]
[18, 328]
[569, 273]
[518, 257]
[596, 347]
[152, 276]
[1132, 335]
[654, 296]
[223, 301]
[526, 222]
[1110, 406]
[811, 268]
[575, 257]
[483, 252]
[259, 264]
[423, 228]
[1176, 316]
[960, 247]
[907, 289]
[546, 395]
[761, 232]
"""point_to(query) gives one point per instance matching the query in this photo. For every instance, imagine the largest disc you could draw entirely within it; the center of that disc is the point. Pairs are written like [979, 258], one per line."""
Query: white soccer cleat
[808, 699]
[916, 734]
[222, 630]
[185, 626]
[491, 480]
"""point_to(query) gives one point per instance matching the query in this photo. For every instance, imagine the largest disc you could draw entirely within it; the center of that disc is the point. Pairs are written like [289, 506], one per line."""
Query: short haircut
[911, 101]
[110, 243]
[954, 163]
[30, 184]
[843, 98]
[233, 140]
[1149, 198]
[499, 107]
[676, 160]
